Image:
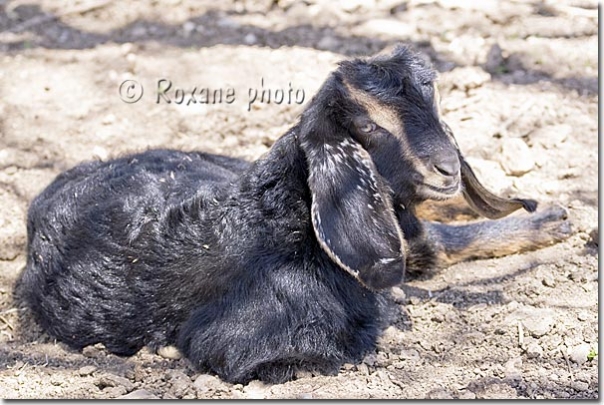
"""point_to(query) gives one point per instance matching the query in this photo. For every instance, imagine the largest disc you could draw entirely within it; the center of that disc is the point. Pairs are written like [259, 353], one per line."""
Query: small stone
[56, 380]
[515, 157]
[580, 385]
[398, 295]
[536, 321]
[114, 392]
[384, 27]
[534, 350]
[370, 359]
[495, 60]
[439, 394]
[409, 354]
[255, 390]
[582, 316]
[414, 300]
[328, 43]
[108, 119]
[363, 369]
[169, 352]
[207, 382]
[467, 77]
[392, 335]
[305, 395]
[438, 318]
[467, 395]
[91, 351]
[250, 39]
[111, 380]
[353, 5]
[594, 235]
[139, 394]
[550, 136]
[548, 281]
[578, 354]
[512, 369]
[86, 370]
[188, 27]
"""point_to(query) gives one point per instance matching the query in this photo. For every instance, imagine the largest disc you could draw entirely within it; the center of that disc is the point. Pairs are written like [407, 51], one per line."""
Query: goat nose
[447, 164]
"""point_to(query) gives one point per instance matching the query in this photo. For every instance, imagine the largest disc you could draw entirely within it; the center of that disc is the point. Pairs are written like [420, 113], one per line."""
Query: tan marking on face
[386, 117]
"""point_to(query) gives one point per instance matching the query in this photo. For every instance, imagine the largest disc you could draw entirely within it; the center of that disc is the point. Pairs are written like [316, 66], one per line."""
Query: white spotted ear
[352, 212]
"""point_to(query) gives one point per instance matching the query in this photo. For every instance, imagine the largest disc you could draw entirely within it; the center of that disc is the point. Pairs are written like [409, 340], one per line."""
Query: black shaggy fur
[253, 270]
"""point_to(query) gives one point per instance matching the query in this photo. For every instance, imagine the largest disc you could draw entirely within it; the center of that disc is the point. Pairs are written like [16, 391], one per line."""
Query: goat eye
[368, 127]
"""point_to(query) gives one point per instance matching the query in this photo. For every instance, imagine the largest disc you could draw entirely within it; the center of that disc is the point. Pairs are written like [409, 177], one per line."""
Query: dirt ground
[519, 87]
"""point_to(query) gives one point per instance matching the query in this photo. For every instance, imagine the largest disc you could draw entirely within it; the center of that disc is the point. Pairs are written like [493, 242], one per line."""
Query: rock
[578, 354]
[180, 382]
[439, 394]
[384, 27]
[467, 395]
[363, 369]
[467, 77]
[515, 157]
[188, 27]
[409, 354]
[495, 60]
[86, 370]
[255, 390]
[250, 39]
[580, 385]
[111, 380]
[392, 335]
[91, 351]
[353, 5]
[550, 136]
[207, 382]
[328, 43]
[114, 392]
[594, 235]
[548, 281]
[305, 395]
[139, 394]
[169, 352]
[398, 295]
[491, 173]
[583, 316]
[498, 391]
[534, 351]
[536, 321]
[512, 369]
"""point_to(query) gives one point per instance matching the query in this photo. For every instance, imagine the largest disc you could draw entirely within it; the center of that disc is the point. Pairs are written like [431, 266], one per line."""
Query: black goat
[257, 270]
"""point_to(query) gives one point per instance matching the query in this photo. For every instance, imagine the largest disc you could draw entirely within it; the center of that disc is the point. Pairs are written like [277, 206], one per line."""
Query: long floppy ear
[351, 209]
[486, 203]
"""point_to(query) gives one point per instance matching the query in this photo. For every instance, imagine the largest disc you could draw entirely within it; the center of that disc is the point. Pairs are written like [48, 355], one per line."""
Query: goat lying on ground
[257, 270]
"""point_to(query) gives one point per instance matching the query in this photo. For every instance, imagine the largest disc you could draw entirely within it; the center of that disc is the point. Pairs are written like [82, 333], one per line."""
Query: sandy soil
[524, 326]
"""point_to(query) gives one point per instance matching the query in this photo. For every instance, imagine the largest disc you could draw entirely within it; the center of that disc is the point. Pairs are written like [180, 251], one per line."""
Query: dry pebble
[515, 157]
[580, 385]
[86, 370]
[550, 136]
[139, 394]
[548, 281]
[439, 394]
[534, 351]
[207, 382]
[398, 295]
[578, 354]
[111, 380]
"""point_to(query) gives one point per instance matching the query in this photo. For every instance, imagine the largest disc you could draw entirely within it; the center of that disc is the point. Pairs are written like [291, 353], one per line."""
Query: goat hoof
[169, 352]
